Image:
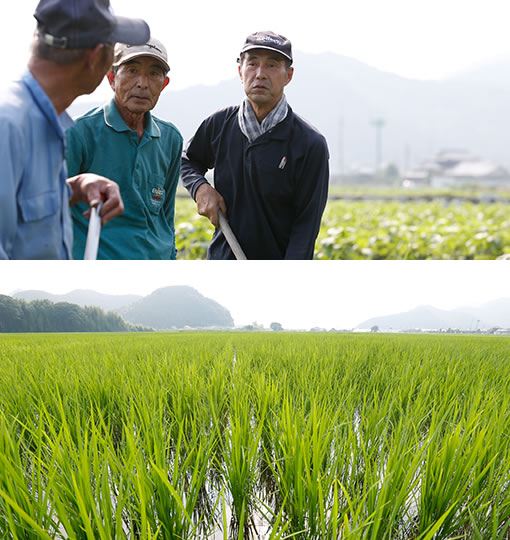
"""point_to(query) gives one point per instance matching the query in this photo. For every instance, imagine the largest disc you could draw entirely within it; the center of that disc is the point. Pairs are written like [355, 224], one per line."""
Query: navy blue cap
[268, 40]
[81, 24]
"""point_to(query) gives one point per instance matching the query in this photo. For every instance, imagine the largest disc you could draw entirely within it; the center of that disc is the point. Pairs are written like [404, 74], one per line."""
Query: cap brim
[129, 57]
[251, 47]
[130, 31]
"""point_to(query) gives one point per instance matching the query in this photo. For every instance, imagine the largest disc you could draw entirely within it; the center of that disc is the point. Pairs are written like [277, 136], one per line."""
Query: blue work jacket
[35, 222]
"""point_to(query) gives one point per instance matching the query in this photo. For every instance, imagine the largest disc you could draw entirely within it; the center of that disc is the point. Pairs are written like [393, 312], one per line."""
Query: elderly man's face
[138, 84]
[264, 75]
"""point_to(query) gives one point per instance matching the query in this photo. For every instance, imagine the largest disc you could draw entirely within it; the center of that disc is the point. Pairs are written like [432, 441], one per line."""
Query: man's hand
[209, 201]
[92, 188]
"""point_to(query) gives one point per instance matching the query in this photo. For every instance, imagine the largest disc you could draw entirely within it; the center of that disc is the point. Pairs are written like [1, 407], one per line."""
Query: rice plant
[254, 435]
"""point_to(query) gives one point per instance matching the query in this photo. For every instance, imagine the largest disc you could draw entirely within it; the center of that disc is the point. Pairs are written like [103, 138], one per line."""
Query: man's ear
[167, 80]
[111, 78]
[289, 75]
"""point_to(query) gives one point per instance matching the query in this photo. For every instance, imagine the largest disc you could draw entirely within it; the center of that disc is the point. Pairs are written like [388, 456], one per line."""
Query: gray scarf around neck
[249, 124]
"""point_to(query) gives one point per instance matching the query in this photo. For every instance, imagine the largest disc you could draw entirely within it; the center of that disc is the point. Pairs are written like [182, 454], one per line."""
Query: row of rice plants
[108, 435]
[242, 435]
[396, 437]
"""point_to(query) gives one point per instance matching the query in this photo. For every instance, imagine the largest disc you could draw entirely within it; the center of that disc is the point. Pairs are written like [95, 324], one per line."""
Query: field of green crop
[383, 230]
[230, 435]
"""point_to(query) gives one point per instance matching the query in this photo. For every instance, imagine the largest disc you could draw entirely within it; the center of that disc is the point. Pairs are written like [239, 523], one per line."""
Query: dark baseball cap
[80, 24]
[268, 40]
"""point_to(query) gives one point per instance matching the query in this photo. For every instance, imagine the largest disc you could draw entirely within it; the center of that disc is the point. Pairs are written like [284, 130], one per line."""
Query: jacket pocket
[38, 207]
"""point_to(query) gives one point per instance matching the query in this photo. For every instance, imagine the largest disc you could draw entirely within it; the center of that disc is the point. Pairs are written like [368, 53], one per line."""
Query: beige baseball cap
[123, 53]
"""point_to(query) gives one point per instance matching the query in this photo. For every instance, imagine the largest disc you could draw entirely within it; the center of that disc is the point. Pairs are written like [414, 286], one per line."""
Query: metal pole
[93, 233]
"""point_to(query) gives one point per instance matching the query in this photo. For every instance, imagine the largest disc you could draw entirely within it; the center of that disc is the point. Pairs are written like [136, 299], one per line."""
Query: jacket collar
[61, 122]
[279, 132]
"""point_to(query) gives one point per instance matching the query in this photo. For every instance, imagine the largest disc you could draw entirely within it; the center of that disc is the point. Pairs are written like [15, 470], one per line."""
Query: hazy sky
[413, 38]
[338, 294]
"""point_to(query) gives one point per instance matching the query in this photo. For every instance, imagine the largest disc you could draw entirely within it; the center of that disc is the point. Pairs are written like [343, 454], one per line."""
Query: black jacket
[275, 188]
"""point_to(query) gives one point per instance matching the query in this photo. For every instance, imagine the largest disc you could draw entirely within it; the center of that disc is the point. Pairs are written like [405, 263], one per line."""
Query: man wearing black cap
[72, 51]
[270, 166]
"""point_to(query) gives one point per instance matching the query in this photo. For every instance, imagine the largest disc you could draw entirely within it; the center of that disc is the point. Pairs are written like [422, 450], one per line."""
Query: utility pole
[378, 123]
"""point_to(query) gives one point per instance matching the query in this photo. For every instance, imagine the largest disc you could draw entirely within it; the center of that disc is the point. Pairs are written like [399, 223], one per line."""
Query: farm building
[457, 168]
[480, 173]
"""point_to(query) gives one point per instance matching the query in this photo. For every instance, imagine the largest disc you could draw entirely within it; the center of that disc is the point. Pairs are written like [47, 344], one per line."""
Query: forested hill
[46, 316]
[167, 308]
[178, 307]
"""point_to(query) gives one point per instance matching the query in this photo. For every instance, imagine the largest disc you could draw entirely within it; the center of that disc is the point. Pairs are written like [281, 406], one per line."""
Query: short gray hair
[62, 57]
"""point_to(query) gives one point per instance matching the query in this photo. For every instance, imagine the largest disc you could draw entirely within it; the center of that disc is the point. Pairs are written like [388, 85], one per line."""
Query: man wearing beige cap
[124, 141]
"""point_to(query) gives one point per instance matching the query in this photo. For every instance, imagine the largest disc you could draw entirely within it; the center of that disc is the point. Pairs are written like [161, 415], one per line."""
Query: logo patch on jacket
[157, 196]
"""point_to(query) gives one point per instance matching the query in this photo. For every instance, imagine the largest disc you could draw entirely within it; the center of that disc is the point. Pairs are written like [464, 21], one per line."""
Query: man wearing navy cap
[270, 166]
[72, 51]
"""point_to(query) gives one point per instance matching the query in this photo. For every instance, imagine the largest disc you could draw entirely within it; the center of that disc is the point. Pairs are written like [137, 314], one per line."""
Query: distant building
[473, 173]
[386, 173]
[359, 174]
[457, 168]
[416, 177]
[502, 331]
[446, 159]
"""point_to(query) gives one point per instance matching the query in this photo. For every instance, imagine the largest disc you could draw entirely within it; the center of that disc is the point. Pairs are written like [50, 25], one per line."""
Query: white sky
[339, 294]
[413, 38]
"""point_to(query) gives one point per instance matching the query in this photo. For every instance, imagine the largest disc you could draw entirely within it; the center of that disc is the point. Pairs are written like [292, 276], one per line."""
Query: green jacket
[147, 172]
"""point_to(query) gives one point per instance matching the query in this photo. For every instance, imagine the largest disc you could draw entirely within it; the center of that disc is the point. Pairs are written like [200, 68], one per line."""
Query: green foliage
[285, 435]
[11, 314]
[382, 230]
[46, 316]
[413, 230]
[192, 232]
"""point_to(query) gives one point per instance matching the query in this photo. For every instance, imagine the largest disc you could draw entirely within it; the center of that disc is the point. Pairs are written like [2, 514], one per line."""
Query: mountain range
[183, 306]
[165, 308]
[495, 313]
[342, 97]
[81, 297]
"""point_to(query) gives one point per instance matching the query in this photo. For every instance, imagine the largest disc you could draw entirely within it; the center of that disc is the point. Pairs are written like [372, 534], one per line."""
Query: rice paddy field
[254, 435]
[372, 230]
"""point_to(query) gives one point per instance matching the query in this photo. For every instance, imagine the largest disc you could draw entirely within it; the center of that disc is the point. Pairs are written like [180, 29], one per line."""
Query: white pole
[231, 239]
[93, 233]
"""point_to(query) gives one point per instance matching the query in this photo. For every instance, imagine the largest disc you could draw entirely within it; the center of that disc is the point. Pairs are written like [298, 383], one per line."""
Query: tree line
[45, 316]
